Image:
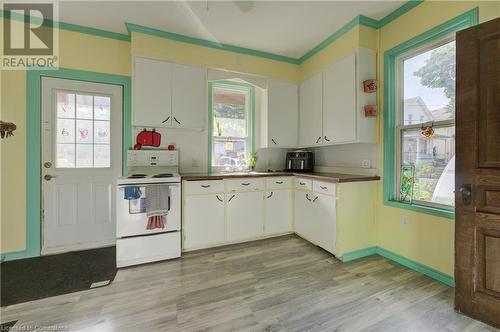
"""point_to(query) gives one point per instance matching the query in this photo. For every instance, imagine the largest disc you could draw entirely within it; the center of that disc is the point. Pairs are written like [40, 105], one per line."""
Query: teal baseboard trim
[430, 272]
[15, 255]
[353, 255]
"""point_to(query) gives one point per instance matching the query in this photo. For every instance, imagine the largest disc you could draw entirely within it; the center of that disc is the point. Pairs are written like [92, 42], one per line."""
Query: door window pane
[102, 133]
[102, 108]
[102, 156]
[84, 132]
[65, 131]
[434, 163]
[429, 86]
[65, 105]
[84, 155]
[65, 155]
[84, 106]
[83, 142]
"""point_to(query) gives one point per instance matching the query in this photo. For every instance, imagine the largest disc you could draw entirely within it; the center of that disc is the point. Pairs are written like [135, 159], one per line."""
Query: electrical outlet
[405, 220]
[366, 163]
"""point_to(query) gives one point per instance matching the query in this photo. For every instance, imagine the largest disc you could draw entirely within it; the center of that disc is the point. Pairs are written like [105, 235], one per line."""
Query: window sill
[449, 214]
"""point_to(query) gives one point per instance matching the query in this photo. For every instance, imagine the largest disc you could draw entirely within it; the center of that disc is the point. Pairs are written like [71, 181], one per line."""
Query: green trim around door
[235, 86]
[428, 271]
[465, 20]
[33, 144]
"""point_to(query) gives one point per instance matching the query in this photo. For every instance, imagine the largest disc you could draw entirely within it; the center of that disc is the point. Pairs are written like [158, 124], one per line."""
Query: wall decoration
[427, 131]
[407, 182]
[370, 86]
[371, 110]
[7, 129]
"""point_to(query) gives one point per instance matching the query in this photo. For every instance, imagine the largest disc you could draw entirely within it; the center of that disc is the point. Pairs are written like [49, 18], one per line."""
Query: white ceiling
[288, 28]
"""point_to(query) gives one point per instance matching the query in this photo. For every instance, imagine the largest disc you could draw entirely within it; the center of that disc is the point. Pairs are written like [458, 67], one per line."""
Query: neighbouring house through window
[231, 111]
[426, 98]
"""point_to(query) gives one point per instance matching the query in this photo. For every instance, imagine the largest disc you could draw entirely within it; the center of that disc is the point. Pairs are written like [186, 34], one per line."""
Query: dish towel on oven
[157, 205]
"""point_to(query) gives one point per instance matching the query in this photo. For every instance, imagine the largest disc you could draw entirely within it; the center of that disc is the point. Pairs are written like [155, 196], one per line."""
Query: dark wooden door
[477, 195]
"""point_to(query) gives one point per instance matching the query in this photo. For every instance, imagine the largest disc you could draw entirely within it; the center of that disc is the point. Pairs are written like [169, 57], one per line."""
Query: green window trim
[465, 20]
[251, 113]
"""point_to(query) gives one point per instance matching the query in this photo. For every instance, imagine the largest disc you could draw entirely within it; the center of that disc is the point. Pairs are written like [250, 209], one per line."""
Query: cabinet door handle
[324, 188]
[205, 186]
[326, 139]
[168, 118]
[230, 198]
[270, 195]
[245, 183]
[319, 138]
[220, 199]
[176, 120]
[279, 182]
[314, 200]
[302, 183]
[307, 197]
[272, 139]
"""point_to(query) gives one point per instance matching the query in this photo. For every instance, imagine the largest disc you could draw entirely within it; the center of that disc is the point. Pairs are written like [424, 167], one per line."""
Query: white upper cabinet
[152, 89]
[189, 95]
[282, 115]
[311, 111]
[339, 102]
[168, 95]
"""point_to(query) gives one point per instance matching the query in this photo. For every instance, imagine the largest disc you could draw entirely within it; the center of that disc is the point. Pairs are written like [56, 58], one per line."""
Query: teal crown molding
[358, 20]
[33, 143]
[465, 20]
[207, 43]
[428, 271]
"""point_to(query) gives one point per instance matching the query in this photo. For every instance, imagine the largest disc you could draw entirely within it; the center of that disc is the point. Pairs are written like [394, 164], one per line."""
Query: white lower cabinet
[245, 213]
[277, 212]
[304, 214]
[204, 224]
[315, 218]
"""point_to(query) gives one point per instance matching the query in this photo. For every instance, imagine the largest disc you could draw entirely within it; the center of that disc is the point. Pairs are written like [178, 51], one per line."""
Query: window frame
[250, 105]
[390, 172]
[401, 127]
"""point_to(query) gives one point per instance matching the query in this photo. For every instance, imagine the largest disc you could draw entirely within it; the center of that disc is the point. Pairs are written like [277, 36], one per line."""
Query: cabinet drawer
[324, 188]
[304, 184]
[245, 184]
[284, 182]
[204, 187]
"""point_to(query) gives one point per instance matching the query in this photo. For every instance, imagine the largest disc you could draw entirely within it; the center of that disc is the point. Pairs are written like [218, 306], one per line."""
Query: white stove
[135, 243]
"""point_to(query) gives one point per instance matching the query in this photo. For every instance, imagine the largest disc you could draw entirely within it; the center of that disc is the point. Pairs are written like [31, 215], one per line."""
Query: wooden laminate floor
[281, 284]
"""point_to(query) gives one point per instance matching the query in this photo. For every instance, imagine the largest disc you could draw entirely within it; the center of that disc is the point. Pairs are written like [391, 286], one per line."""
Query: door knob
[466, 191]
[49, 177]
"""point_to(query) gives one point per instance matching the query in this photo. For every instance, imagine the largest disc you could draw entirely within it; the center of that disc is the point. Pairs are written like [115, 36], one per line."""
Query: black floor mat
[39, 277]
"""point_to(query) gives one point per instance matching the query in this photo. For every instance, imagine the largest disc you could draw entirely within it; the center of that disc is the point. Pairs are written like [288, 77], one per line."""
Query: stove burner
[163, 175]
[137, 176]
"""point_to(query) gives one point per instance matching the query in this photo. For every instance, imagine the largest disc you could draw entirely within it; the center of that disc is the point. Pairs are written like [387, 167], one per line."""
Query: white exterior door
[81, 159]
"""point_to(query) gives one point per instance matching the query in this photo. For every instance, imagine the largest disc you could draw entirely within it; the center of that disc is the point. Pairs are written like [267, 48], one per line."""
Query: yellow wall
[171, 50]
[359, 36]
[427, 239]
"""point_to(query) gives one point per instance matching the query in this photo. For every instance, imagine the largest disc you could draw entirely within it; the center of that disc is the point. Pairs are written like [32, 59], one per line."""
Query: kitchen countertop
[327, 177]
